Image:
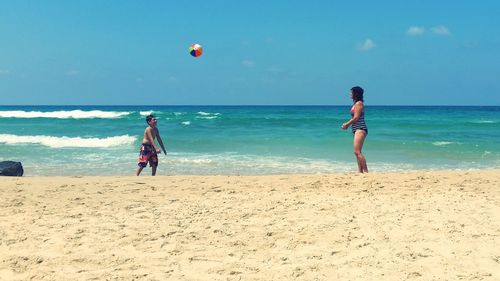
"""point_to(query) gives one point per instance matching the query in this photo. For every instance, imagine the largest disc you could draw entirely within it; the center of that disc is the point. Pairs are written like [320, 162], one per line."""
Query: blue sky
[255, 52]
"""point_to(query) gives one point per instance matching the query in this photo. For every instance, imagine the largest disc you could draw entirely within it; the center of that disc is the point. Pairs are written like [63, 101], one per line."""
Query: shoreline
[396, 226]
[146, 173]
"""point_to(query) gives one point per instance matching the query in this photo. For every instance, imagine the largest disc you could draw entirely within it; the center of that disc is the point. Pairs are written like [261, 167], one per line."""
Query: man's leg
[153, 162]
[139, 170]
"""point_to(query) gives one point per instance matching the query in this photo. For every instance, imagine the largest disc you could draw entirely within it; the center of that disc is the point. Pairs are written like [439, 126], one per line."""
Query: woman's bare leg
[359, 138]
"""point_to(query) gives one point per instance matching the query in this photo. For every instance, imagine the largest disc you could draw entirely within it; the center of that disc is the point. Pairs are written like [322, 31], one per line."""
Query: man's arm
[160, 141]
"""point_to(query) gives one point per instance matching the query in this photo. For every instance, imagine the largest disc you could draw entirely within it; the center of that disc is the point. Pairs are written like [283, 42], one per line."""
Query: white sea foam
[193, 161]
[484, 122]
[208, 113]
[237, 164]
[208, 117]
[186, 123]
[59, 142]
[231, 163]
[441, 143]
[76, 114]
[146, 113]
[486, 153]
[178, 113]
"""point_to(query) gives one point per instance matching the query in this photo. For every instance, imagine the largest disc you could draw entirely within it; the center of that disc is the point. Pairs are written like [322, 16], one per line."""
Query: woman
[359, 128]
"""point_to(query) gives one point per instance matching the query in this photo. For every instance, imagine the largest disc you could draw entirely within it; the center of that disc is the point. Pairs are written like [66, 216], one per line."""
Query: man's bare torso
[153, 132]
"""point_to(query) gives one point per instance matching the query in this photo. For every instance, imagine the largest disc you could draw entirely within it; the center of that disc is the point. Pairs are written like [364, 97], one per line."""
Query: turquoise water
[247, 140]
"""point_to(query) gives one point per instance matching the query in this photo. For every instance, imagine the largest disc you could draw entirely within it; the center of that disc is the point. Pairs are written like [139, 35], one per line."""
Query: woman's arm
[358, 109]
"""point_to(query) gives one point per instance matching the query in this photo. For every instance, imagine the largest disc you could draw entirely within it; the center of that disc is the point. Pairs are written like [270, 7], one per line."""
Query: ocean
[247, 140]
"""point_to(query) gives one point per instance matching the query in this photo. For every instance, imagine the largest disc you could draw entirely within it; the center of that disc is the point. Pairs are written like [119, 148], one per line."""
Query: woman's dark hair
[357, 93]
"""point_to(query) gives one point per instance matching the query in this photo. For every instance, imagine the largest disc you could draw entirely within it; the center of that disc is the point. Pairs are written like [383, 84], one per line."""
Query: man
[149, 151]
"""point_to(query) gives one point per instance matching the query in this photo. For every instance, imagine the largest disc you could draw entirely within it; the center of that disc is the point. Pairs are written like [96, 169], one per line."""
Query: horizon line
[241, 105]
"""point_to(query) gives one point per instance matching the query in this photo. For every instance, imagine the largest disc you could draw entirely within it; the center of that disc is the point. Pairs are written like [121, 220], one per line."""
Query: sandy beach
[379, 226]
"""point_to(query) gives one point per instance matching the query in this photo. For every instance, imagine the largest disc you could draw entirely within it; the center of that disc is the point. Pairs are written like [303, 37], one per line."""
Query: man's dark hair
[149, 117]
[357, 93]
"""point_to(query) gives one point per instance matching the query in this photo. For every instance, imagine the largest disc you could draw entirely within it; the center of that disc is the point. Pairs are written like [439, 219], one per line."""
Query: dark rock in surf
[11, 168]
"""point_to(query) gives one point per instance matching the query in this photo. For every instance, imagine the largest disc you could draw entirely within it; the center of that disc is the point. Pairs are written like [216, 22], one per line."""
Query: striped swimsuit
[360, 124]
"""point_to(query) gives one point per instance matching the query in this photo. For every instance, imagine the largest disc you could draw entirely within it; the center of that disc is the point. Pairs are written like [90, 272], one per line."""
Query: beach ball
[195, 50]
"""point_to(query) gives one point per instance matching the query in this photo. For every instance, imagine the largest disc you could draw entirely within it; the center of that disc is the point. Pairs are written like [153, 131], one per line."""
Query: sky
[254, 52]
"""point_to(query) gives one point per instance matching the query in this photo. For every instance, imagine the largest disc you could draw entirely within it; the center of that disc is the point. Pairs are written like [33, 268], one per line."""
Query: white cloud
[4, 72]
[367, 45]
[248, 63]
[415, 30]
[441, 30]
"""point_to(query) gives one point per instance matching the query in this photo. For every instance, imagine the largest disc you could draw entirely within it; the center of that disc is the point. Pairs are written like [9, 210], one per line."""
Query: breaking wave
[60, 142]
[75, 114]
